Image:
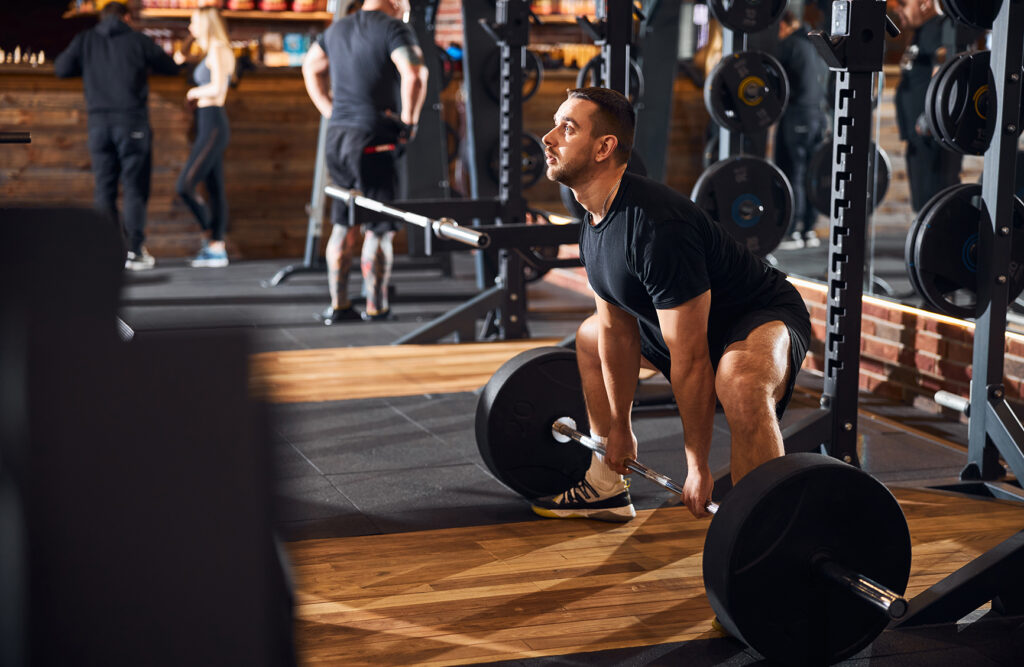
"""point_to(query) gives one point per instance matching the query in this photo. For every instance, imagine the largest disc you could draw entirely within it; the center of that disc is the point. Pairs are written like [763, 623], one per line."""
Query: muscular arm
[618, 345]
[693, 385]
[408, 61]
[316, 75]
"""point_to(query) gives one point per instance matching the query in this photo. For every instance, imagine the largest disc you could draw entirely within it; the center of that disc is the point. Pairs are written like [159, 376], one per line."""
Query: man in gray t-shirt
[366, 75]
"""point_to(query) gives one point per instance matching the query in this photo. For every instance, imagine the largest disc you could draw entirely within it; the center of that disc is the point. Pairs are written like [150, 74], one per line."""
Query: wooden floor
[387, 370]
[546, 588]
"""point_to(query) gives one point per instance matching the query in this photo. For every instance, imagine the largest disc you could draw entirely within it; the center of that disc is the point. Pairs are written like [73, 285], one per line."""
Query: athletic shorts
[374, 174]
[787, 306]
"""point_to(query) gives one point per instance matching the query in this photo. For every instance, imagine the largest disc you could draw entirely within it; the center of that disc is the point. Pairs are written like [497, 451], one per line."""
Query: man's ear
[606, 147]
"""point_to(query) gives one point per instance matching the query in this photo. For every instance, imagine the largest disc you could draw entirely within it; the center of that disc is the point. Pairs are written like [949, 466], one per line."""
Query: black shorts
[373, 174]
[787, 306]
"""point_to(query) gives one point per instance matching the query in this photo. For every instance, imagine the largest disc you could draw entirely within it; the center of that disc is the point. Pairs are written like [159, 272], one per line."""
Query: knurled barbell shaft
[445, 228]
[886, 599]
[565, 427]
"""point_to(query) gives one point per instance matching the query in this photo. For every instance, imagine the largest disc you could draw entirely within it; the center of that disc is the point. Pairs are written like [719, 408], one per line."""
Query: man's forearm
[620, 364]
[318, 87]
[693, 385]
[414, 92]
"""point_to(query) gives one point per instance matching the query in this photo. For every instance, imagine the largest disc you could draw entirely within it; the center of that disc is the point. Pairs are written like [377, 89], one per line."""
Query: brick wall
[448, 26]
[908, 354]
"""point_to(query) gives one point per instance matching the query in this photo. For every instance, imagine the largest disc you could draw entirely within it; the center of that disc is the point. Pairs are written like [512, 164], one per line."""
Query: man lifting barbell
[674, 293]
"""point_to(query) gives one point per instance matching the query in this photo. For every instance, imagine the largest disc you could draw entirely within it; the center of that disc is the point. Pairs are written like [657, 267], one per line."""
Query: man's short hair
[614, 115]
[790, 18]
[114, 8]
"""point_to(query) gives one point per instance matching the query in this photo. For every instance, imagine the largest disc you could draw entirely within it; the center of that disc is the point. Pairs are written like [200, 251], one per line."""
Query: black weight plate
[961, 104]
[747, 15]
[819, 177]
[533, 72]
[979, 14]
[758, 555]
[911, 242]
[531, 160]
[946, 246]
[514, 415]
[590, 75]
[929, 103]
[747, 91]
[750, 197]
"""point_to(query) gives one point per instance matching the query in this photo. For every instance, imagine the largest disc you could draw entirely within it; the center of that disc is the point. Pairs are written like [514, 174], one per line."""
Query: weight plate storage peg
[747, 91]
[747, 15]
[946, 246]
[777, 541]
[750, 197]
[819, 177]
[513, 422]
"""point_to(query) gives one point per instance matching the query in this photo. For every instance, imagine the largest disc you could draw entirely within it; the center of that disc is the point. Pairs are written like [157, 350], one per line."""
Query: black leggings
[206, 165]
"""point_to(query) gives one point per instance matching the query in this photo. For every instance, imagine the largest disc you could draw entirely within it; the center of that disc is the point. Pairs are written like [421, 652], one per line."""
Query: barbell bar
[444, 228]
[887, 600]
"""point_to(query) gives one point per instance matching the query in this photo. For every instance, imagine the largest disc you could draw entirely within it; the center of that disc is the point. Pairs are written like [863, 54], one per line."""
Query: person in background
[802, 126]
[930, 167]
[366, 75]
[115, 61]
[206, 162]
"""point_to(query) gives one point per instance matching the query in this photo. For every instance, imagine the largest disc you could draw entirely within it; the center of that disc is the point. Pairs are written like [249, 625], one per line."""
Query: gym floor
[405, 550]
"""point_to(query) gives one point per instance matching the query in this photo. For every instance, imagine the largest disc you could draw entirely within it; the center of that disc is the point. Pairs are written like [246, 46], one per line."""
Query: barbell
[806, 559]
[444, 228]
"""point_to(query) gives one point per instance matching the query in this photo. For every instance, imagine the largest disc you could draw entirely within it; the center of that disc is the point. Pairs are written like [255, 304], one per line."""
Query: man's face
[570, 147]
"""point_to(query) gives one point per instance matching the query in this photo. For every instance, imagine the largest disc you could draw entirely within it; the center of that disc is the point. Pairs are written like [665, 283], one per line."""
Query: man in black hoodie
[114, 61]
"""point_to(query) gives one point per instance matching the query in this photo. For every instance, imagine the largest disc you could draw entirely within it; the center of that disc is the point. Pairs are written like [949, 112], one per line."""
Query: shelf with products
[248, 15]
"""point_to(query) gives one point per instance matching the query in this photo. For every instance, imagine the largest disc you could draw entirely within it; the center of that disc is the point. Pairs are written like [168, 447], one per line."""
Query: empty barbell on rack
[444, 228]
[820, 543]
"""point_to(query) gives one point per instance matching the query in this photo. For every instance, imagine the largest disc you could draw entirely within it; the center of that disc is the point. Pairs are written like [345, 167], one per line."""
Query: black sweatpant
[206, 165]
[930, 168]
[799, 133]
[121, 147]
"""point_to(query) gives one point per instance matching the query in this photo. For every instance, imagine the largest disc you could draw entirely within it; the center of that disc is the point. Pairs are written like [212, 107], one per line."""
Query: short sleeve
[670, 260]
[399, 35]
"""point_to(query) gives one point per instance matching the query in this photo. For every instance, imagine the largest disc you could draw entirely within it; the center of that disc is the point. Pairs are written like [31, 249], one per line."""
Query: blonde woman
[206, 162]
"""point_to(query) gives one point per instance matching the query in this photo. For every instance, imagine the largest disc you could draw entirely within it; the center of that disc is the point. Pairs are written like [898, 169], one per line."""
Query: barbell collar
[869, 590]
[564, 430]
[444, 228]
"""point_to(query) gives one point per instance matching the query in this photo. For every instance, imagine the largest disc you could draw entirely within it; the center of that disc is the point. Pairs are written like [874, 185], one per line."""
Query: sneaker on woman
[139, 261]
[210, 258]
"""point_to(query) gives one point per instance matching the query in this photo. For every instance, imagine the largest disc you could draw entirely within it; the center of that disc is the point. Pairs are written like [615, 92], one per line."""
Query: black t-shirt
[655, 249]
[805, 69]
[364, 81]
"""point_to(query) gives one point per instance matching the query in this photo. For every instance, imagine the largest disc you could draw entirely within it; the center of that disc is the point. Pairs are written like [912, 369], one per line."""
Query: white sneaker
[141, 261]
[584, 501]
[811, 240]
